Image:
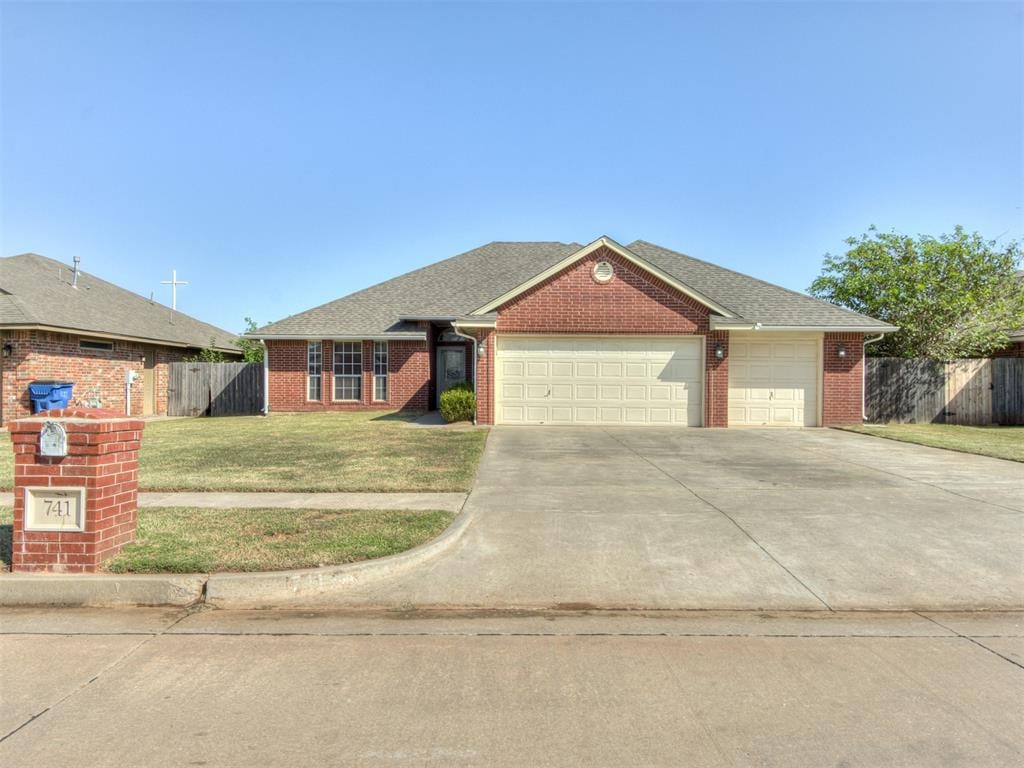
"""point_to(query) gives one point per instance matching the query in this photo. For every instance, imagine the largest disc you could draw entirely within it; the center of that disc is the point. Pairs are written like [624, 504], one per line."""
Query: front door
[451, 367]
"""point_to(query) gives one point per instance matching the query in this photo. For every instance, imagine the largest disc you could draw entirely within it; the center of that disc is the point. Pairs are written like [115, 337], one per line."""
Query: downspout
[266, 378]
[457, 332]
[864, 377]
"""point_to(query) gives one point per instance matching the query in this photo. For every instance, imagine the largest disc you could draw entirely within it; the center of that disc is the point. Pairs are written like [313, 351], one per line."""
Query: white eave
[726, 325]
[336, 337]
[603, 242]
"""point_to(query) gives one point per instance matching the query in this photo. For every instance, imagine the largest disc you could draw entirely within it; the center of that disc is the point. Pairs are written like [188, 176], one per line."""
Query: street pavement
[156, 687]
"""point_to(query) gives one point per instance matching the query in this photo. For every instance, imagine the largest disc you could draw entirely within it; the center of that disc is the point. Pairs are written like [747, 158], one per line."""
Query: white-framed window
[380, 371]
[348, 370]
[314, 370]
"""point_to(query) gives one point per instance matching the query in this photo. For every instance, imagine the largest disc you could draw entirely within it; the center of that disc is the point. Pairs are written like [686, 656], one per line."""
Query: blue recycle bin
[50, 394]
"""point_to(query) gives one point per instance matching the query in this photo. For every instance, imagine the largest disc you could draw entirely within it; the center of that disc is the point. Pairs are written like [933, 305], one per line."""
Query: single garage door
[773, 379]
[599, 380]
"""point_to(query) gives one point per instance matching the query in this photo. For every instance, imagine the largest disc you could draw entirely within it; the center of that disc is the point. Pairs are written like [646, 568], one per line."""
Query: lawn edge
[854, 430]
[259, 589]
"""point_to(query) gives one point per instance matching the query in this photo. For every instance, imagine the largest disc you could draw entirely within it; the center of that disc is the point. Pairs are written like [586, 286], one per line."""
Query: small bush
[458, 403]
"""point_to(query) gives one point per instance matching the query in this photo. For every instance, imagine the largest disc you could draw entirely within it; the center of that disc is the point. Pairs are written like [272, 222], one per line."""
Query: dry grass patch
[301, 452]
[189, 540]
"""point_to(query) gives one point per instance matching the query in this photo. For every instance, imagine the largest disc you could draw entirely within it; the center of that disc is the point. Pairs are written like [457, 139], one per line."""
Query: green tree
[252, 350]
[208, 354]
[953, 296]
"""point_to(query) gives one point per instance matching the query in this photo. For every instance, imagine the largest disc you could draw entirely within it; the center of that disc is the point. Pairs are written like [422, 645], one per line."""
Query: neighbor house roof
[37, 292]
[465, 287]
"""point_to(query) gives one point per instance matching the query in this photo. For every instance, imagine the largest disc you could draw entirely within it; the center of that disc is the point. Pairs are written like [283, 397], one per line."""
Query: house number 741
[57, 507]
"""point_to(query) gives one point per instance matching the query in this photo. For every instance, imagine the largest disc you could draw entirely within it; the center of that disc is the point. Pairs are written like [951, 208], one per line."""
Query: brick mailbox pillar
[75, 488]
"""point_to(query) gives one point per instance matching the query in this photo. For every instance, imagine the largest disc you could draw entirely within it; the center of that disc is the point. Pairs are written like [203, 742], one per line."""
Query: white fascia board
[585, 251]
[87, 334]
[331, 337]
[475, 324]
[797, 328]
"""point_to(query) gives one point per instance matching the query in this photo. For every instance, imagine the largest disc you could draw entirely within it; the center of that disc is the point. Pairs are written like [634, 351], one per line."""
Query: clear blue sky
[282, 155]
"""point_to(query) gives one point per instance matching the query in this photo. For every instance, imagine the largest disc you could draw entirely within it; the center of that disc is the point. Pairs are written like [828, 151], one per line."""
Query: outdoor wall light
[841, 351]
[719, 351]
[8, 349]
[482, 348]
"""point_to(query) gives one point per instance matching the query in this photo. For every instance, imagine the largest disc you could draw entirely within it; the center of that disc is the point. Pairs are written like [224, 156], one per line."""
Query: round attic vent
[603, 271]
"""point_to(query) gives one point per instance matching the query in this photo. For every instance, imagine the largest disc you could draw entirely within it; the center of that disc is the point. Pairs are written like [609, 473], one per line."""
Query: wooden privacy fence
[214, 389]
[978, 392]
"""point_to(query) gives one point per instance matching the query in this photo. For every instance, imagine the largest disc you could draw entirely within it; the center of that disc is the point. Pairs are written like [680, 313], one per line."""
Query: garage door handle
[771, 394]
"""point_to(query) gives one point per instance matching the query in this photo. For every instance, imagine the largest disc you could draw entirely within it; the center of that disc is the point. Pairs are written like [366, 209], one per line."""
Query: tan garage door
[773, 379]
[599, 380]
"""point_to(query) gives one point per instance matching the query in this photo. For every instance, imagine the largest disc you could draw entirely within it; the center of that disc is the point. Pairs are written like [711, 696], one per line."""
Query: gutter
[457, 332]
[266, 378]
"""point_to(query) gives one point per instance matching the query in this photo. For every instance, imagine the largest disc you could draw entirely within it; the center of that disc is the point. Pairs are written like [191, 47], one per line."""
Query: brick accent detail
[103, 457]
[45, 355]
[842, 379]
[408, 377]
[632, 303]
[716, 381]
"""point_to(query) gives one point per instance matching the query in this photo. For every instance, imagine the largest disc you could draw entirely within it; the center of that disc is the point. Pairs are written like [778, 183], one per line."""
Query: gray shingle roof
[457, 286]
[35, 290]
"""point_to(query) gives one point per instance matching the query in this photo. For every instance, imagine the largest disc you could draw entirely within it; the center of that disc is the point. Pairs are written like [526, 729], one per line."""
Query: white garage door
[606, 380]
[773, 379]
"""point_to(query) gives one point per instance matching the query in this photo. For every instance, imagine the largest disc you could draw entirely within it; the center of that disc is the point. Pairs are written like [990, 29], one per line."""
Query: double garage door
[599, 380]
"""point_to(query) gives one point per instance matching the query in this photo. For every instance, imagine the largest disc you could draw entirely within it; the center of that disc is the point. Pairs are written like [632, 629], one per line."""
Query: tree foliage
[208, 354]
[954, 296]
[252, 350]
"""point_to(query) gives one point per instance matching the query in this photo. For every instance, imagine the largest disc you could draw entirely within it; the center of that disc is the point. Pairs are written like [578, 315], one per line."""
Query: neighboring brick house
[56, 325]
[568, 334]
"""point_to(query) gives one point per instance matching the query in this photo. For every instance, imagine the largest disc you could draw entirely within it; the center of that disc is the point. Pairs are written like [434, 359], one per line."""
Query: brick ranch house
[555, 333]
[56, 324]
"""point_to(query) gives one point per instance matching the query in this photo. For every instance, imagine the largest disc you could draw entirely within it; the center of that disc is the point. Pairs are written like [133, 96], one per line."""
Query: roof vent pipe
[74, 277]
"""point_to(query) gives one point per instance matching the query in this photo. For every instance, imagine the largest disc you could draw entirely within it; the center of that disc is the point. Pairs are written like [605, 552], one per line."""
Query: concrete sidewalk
[450, 502]
[300, 688]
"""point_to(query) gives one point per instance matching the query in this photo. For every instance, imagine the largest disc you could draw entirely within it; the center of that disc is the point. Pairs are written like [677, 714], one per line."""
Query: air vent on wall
[603, 271]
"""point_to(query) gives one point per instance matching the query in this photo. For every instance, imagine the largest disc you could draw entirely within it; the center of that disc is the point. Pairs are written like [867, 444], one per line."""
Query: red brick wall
[633, 303]
[408, 377]
[485, 377]
[716, 381]
[44, 355]
[842, 379]
[103, 457]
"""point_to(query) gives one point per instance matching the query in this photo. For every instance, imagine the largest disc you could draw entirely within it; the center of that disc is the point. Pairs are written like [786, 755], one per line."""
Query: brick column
[103, 458]
[716, 376]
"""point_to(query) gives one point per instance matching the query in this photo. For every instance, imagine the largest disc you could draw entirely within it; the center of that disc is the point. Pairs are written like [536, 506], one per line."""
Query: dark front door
[451, 367]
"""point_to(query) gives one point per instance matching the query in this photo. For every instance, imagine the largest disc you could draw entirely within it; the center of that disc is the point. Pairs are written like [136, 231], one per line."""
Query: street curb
[99, 590]
[226, 590]
[278, 588]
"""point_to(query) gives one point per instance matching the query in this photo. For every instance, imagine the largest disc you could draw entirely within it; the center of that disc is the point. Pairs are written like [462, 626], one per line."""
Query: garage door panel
[600, 380]
[773, 381]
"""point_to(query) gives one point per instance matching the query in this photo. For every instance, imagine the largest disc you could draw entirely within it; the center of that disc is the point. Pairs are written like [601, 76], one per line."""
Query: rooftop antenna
[74, 278]
[174, 282]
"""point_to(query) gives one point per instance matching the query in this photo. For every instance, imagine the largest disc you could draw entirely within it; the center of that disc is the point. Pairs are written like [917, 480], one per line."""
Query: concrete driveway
[728, 519]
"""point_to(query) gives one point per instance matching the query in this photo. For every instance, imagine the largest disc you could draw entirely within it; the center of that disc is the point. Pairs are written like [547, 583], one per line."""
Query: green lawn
[1000, 442]
[367, 451]
[188, 540]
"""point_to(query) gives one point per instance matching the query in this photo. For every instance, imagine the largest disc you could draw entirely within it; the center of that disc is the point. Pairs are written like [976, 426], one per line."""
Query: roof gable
[584, 252]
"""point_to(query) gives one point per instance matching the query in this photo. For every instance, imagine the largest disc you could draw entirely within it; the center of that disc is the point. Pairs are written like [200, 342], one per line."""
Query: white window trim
[386, 375]
[309, 376]
[335, 375]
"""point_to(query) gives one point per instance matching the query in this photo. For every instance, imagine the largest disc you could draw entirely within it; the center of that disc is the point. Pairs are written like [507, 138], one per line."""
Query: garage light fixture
[8, 349]
[719, 351]
[841, 351]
